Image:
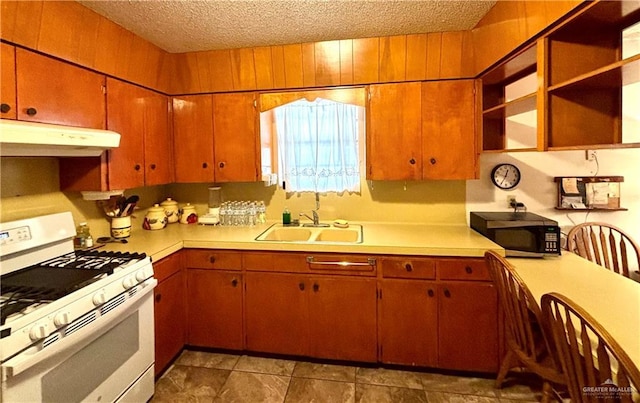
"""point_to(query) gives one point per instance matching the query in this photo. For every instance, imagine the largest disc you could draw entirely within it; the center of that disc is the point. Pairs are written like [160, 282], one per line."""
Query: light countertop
[613, 300]
[378, 238]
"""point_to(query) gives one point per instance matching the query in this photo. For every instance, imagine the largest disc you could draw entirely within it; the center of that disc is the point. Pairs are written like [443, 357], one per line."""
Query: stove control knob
[61, 319]
[99, 298]
[39, 331]
[141, 275]
[129, 282]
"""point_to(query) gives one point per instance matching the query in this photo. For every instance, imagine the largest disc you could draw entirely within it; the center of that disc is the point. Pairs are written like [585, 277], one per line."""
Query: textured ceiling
[186, 26]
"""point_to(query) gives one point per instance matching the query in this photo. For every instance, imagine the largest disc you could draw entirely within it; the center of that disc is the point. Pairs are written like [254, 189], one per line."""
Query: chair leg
[547, 392]
[506, 365]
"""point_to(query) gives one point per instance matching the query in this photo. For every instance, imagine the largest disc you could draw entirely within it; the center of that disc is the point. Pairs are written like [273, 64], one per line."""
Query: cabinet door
[126, 116]
[276, 313]
[169, 312]
[8, 81]
[55, 92]
[409, 322]
[193, 138]
[394, 143]
[468, 326]
[235, 134]
[214, 307]
[337, 331]
[448, 129]
[158, 141]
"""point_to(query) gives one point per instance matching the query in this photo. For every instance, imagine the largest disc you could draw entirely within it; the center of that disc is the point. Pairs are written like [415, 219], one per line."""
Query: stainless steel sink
[280, 233]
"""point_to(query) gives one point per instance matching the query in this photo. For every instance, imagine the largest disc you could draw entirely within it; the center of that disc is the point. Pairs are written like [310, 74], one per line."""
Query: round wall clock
[505, 176]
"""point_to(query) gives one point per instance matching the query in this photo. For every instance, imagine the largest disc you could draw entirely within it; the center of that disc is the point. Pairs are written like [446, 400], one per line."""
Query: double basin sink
[280, 233]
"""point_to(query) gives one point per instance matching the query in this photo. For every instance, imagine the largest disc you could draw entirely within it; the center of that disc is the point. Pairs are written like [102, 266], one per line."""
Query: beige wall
[29, 187]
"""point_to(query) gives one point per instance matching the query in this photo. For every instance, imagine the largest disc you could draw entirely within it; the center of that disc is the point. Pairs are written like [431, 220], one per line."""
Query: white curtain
[318, 146]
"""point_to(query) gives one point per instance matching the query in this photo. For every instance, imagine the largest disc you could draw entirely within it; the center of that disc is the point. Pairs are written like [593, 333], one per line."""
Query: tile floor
[211, 377]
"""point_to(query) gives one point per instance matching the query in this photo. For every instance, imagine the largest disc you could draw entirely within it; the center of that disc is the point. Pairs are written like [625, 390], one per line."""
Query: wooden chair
[589, 356]
[527, 342]
[605, 245]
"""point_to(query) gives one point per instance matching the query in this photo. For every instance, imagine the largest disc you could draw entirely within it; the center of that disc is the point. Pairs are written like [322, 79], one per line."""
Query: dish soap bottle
[286, 216]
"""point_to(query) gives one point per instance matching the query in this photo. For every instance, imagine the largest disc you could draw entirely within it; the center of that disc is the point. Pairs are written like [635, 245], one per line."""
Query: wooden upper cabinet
[51, 91]
[193, 138]
[8, 81]
[158, 140]
[394, 143]
[449, 117]
[126, 116]
[236, 134]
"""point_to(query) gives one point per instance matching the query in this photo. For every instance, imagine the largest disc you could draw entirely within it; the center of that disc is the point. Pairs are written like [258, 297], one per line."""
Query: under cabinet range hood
[27, 139]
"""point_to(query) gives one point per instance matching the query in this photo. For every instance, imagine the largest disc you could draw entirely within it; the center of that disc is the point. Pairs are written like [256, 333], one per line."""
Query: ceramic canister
[121, 227]
[171, 210]
[155, 218]
[188, 214]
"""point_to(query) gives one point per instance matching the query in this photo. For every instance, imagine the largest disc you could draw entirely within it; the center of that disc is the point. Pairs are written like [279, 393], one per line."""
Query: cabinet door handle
[432, 161]
[468, 269]
[4, 108]
[158, 297]
[32, 111]
[221, 165]
[408, 267]
[137, 167]
[412, 161]
[212, 259]
[234, 282]
[447, 293]
[316, 287]
[153, 166]
[204, 165]
[430, 292]
[301, 286]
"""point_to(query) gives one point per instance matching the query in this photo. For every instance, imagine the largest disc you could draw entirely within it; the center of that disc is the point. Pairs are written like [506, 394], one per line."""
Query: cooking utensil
[108, 239]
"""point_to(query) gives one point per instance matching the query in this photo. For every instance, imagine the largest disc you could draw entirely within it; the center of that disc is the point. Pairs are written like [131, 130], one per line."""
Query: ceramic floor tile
[243, 387]
[320, 391]
[459, 384]
[271, 366]
[523, 386]
[388, 394]
[441, 397]
[192, 384]
[389, 377]
[327, 372]
[207, 360]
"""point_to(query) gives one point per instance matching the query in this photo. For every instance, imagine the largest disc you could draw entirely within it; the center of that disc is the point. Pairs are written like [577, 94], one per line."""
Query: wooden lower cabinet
[342, 318]
[276, 318]
[169, 311]
[319, 316]
[214, 306]
[409, 322]
[468, 326]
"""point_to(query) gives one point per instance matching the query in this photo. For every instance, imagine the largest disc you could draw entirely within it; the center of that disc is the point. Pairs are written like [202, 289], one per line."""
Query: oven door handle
[80, 338]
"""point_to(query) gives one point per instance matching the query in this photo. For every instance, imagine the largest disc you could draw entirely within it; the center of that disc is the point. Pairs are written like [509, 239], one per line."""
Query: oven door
[110, 359]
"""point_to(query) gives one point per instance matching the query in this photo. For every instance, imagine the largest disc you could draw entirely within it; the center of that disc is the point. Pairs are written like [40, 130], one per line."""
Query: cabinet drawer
[462, 269]
[165, 268]
[408, 268]
[213, 259]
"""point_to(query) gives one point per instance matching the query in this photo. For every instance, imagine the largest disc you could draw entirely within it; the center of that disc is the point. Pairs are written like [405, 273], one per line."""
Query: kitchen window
[313, 145]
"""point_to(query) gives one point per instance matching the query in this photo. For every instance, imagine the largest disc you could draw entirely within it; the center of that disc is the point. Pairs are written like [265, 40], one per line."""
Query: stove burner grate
[57, 277]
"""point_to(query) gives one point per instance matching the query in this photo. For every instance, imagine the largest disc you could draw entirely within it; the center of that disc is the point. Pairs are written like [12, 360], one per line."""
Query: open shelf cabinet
[578, 86]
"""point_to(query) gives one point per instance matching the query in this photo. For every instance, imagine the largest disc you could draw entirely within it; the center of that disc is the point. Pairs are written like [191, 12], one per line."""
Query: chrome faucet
[315, 218]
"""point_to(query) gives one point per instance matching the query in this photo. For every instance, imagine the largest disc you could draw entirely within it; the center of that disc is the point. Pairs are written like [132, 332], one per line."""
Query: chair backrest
[589, 356]
[525, 335]
[605, 245]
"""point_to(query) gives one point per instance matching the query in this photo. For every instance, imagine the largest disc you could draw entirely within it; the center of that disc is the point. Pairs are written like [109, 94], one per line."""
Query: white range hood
[27, 139]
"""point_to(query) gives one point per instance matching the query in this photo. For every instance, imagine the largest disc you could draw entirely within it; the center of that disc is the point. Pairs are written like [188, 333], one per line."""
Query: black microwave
[521, 234]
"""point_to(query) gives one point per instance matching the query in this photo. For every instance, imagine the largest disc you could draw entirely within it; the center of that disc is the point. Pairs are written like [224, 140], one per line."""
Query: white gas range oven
[76, 325]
